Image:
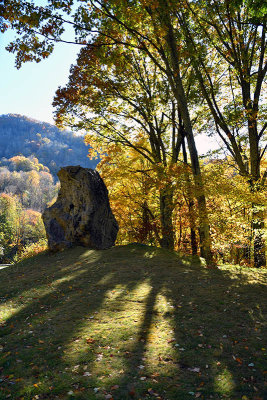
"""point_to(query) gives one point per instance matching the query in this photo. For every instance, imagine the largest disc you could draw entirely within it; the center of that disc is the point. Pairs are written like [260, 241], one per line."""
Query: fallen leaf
[90, 341]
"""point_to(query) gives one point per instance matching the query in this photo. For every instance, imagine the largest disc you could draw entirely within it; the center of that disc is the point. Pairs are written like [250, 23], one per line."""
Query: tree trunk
[145, 229]
[257, 236]
[193, 236]
[189, 191]
[166, 210]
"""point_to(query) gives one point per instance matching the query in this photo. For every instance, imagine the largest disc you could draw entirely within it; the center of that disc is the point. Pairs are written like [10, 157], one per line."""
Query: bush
[31, 250]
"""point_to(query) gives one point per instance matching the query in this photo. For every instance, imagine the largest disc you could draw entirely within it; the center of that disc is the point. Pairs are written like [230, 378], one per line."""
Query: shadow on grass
[130, 322]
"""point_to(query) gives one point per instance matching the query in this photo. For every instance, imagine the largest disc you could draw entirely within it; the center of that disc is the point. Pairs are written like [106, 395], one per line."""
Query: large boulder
[81, 215]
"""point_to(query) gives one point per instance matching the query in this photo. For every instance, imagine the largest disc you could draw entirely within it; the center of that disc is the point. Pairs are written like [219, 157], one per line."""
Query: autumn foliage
[134, 190]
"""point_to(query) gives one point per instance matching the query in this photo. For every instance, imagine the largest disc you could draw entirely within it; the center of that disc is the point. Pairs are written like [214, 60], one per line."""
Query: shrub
[31, 250]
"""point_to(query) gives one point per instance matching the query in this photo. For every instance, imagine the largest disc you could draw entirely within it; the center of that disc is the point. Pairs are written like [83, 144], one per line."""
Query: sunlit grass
[223, 383]
[131, 322]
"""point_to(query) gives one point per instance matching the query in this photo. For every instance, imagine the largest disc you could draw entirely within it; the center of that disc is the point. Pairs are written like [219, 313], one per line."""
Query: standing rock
[81, 215]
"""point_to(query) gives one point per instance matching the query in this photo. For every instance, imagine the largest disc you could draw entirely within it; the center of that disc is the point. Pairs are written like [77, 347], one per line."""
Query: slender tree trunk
[145, 229]
[189, 191]
[180, 230]
[166, 211]
[179, 93]
[193, 236]
[259, 245]
[258, 240]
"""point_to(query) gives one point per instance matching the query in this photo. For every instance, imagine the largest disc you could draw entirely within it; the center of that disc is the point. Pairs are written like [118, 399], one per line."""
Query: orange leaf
[90, 341]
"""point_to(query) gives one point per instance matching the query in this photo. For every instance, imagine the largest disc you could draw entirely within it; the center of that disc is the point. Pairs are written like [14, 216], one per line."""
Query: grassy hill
[131, 322]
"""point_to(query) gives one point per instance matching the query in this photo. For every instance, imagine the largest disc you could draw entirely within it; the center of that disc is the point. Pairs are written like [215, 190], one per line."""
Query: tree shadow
[207, 324]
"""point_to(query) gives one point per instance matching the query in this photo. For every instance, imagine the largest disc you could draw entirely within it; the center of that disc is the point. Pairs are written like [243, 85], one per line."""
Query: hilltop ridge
[21, 135]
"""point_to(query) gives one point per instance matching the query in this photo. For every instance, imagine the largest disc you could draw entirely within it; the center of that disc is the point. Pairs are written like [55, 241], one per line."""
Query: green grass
[131, 322]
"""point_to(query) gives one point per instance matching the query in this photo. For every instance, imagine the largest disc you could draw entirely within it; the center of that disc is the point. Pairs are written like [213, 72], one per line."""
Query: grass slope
[131, 322]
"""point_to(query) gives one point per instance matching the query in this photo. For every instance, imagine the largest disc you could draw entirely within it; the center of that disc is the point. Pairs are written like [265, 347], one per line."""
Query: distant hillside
[20, 135]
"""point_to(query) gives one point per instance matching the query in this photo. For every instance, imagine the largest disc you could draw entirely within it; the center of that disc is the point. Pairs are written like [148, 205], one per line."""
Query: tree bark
[193, 238]
[166, 210]
[189, 194]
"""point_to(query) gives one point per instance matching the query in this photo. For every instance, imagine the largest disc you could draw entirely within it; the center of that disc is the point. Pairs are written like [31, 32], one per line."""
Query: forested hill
[20, 135]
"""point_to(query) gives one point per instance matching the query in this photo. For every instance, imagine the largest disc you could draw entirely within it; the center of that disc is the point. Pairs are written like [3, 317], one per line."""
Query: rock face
[81, 215]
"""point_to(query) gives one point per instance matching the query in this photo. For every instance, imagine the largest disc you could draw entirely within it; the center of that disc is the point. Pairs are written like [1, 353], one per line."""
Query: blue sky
[29, 91]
